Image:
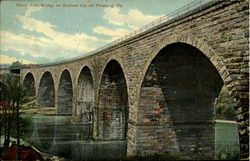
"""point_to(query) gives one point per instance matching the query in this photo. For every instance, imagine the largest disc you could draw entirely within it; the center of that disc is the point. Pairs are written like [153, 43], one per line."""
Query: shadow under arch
[46, 91]
[65, 94]
[29, 84]
[113, 103]
[176, 102]
[85, 97]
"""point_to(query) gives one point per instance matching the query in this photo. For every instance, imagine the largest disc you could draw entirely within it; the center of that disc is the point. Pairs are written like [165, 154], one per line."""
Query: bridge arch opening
[46, 91]
[113, 103]
[29, 84]
[65, 93]
[177, 100]
[85, 97]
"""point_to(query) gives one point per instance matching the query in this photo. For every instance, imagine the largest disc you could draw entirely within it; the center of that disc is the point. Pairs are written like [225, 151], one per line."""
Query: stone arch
[65, 93]
[215, 59]
[203, 47]
[177, 97]
[29, 84]
[46, 90]
[113, 103]
[85, 96]
[119, 61]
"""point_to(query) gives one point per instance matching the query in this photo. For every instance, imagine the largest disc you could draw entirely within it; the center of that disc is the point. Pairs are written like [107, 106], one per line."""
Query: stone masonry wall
[29, 83]
[85, 97]
[65, 94]
[179, 89]
[46, 91]
[113, 104]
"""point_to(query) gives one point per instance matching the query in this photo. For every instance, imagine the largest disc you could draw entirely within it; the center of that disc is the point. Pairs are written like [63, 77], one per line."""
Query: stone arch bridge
[157, 89]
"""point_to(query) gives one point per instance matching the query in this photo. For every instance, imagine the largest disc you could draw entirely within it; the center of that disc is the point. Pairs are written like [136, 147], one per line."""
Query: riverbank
[30, 107]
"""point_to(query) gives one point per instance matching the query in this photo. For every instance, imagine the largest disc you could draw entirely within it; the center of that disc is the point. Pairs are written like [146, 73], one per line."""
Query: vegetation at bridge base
[13, 95]
[224, 107]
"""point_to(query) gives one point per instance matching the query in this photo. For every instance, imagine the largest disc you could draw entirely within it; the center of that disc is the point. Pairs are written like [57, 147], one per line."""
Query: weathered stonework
[65, 94]
[29, 83]
[219, 30]
[176, 103]
[85, 97]
[46, 91]
[113, 104]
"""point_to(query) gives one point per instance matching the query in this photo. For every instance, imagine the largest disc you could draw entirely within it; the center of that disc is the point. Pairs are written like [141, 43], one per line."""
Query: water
[227, 145]
[56, 135]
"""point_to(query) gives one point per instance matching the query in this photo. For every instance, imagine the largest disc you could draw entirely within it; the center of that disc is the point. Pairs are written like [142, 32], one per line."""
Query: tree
[14, 95]
[17, 64]
[224, 107]
[5, 111]
[3, 104]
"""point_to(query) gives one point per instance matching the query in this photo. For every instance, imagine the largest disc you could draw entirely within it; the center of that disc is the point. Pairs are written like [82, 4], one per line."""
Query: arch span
[85, 97]
[65, 93]
[29, 84]
[46, 91]
[113, 103]
[176, 102]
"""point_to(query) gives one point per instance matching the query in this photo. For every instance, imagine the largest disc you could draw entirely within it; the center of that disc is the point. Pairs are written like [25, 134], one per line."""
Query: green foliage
[23, 123]
[12, 96]
[224, 107]
[12, 90]
[16, 91]
[17, 64]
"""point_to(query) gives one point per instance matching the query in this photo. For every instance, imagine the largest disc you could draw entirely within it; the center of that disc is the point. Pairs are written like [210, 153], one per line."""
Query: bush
[224, 107]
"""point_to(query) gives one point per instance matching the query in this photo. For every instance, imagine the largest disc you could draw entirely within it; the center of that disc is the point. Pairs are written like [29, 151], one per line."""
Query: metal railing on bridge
[171, 15]
[181, 11]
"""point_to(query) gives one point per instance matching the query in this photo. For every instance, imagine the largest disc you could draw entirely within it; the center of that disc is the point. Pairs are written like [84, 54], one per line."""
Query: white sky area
[4, 59]
[45, 34]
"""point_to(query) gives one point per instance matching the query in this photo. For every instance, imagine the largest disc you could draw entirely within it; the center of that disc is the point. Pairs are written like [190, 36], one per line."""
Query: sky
[44, 31]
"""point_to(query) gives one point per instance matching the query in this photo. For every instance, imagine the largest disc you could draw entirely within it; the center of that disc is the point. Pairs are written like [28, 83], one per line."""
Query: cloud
[4, 59]
[51, 45]
[108, 32]
[126, 22]
[37, 47]
[134, 18]
[21, 43]
[79, 41]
